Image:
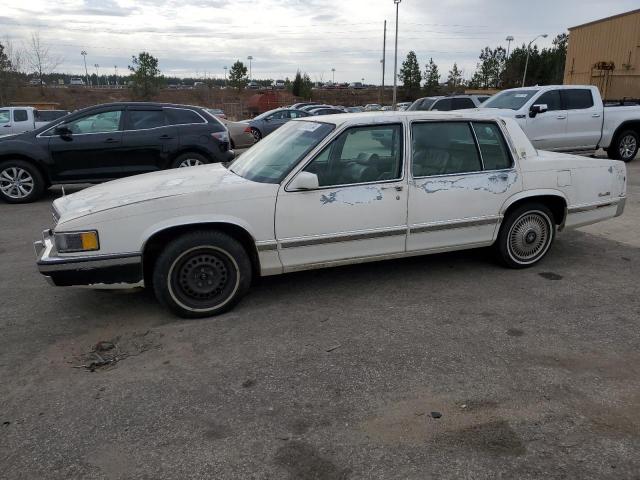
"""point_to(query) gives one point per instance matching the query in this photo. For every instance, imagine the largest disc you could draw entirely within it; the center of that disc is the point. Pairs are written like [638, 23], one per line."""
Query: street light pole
[84, 56]
[383, 61]
[97, 74]
[509, 39]
[116, 71]
[526, 63]
[250, 58]
[333, 76]
[225, 76]
[395, 61]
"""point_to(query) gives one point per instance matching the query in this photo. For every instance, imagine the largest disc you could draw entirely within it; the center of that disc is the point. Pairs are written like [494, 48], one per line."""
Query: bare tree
[10, 61]
[39, 59]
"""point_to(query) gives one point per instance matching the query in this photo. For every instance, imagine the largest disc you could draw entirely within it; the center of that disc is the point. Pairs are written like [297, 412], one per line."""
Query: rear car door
[148, 141]
[584, 123]
[360, 206]
[91, 150]
[547, 130]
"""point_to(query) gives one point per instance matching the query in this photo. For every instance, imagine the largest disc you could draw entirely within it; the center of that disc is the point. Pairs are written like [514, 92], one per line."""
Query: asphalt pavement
[445, 366]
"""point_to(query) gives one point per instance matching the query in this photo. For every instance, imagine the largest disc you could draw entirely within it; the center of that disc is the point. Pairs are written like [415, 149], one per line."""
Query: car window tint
[443, 148]
[443, 105]
[577, 98]
[142, 119]
[20, 116]
[551, 99]
[460, 103]
[360, 155]
[182, 116]
[4, 116]
[102, 122]
[495, 155]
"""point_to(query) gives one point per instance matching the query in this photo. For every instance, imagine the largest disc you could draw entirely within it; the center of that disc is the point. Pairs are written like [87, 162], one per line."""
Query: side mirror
[305, 181]
[537, 108]
[63, 131]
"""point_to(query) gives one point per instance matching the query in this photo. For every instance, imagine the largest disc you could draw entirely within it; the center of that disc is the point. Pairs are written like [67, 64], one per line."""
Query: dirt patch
[496, 438]
[304, 462]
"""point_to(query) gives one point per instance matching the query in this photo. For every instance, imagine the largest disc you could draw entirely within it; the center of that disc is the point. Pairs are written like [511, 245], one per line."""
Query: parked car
[318, 194]
[270, 121]
[297, 106]
[313, 106]
[253, 86]
[447, 104]
[571, 118]
[386, 108]
[35, 82]
[326, 111]
[109, 141]
[372, 107]
[216, 112]
[402, 106]
[240, 134]
[76, 81]
[357, 86]
[279, 85]
[354, 109]
[21, 119]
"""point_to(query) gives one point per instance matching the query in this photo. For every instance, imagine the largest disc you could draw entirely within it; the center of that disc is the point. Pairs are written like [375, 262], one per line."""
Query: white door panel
[547, 131]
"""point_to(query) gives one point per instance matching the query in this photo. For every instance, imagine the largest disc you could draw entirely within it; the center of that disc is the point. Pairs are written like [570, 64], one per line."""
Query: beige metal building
[606, 53]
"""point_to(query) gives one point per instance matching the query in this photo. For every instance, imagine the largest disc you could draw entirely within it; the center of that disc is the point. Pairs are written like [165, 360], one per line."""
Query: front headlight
[77, 241]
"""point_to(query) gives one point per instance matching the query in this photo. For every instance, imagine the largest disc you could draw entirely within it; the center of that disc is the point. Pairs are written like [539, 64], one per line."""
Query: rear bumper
[123, 270]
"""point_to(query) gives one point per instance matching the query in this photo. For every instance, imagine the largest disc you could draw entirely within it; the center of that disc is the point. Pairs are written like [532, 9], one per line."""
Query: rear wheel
[625, 147]
[256, 134]
[189, 159]
[526, 236]
[20, 182]
[201, 274]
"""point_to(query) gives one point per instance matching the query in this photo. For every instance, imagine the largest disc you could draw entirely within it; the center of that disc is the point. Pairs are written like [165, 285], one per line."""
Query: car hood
[144, 188]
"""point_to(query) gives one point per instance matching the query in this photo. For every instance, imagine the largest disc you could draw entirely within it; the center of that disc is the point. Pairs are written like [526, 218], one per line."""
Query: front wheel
[20, 182]
[625, 147]
[257, 136]
[201, 274]
[526, 236]
[189, 159]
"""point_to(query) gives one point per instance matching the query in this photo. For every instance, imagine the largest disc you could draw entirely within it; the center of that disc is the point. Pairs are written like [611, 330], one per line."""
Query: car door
[21, 121]
[547, 130]
[91, 149]
[360, 207]
[147, 140]
[584, 122]
[458, 185]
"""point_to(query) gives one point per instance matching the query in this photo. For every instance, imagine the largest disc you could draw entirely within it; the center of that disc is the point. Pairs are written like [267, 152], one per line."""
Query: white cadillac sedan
[321, 192]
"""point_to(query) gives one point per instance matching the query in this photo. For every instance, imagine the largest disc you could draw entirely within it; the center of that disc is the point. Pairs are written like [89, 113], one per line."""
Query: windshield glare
[270, 160]
[512, 100]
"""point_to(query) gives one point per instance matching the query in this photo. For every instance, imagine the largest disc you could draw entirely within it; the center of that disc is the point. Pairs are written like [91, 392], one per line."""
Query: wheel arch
[26, 158]
[553, 199]
[626, 125]
[153, 244]
[192, 149]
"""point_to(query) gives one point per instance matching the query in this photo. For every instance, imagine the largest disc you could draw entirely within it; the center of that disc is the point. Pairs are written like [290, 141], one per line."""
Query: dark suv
[106, 142]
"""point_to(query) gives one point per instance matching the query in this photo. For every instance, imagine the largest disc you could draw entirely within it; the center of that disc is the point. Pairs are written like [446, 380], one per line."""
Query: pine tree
[238, 75]
[454, 80]
[410, 75]
[432, 78]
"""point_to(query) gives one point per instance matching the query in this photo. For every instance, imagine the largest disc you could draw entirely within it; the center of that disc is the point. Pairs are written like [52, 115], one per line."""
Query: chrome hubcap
[190, 162]
[256, 135]
[628, 146]
[16, 182]
[529, 237]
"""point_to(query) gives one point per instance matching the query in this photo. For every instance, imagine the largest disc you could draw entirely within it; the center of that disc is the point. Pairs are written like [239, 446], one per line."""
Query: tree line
[495, 70]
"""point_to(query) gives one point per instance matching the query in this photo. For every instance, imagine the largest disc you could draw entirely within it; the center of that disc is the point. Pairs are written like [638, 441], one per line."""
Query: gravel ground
[445, 366]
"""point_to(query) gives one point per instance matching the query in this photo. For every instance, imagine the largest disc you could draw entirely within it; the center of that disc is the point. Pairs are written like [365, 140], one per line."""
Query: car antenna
[63, 193]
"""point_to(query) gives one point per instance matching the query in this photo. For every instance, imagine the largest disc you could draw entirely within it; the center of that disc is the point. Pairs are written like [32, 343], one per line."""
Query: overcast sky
[192, 37]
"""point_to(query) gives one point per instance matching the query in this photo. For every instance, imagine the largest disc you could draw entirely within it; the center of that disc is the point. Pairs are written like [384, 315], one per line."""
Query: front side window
[298, 114]
[4, 116]
[360, 155]
[444, 105]
[20, 116]
[144, 119]
[278, 116]
[551, 99]
[577, 98]
[495, 155]
[182, 116]
[103, 122]
[510, 99]
[271, 159]
[443, 148]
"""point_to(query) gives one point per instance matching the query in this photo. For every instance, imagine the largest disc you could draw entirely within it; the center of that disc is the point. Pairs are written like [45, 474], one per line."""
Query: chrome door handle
[595, 115]
[561, 117]
[397, 188]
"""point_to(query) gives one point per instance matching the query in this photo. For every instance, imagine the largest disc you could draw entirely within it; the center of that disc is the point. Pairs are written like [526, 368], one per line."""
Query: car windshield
[512, 99]
[270, 160]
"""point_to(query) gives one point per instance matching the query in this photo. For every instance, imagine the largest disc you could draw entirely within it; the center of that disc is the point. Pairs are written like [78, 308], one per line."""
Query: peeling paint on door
[496, 183]
[353, 196]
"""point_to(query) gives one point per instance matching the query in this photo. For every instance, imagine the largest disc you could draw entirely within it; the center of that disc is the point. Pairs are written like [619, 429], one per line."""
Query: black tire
[625, 146]
[201, 274]
[189, 159]
[525, 236]
[257, 135]
[20, 182]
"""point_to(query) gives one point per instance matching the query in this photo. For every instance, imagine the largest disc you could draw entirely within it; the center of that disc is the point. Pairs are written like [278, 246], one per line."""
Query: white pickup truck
[15, 120]
[571, 118]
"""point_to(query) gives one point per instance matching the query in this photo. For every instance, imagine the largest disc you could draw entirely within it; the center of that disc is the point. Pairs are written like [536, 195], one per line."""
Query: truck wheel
[625, 146]
[189, 159]
[201, 274]
[525, 236]
[20, 182]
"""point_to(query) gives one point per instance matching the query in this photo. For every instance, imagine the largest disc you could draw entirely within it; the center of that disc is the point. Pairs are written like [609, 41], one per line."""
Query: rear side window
[460, 103]
[443, 148]
[182, 116]
[577, 98]
[20, 116]
[495, 155]
[4, 116]
[444, 105]
[144, 119]
[551, 99]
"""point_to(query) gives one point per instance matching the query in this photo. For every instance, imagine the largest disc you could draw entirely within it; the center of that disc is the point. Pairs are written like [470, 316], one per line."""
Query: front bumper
[114, 270]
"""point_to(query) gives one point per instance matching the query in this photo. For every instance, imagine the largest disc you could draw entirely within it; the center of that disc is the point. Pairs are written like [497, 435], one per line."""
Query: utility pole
[395, 61]
[84, 56]
[526, 64]
[225, 76]
[383, 61]
[333, 76]
[116, 71]
[97, 74]
[250, 58]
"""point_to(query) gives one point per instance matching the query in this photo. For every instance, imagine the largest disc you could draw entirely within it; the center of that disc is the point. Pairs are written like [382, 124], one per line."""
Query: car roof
[398, 116]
